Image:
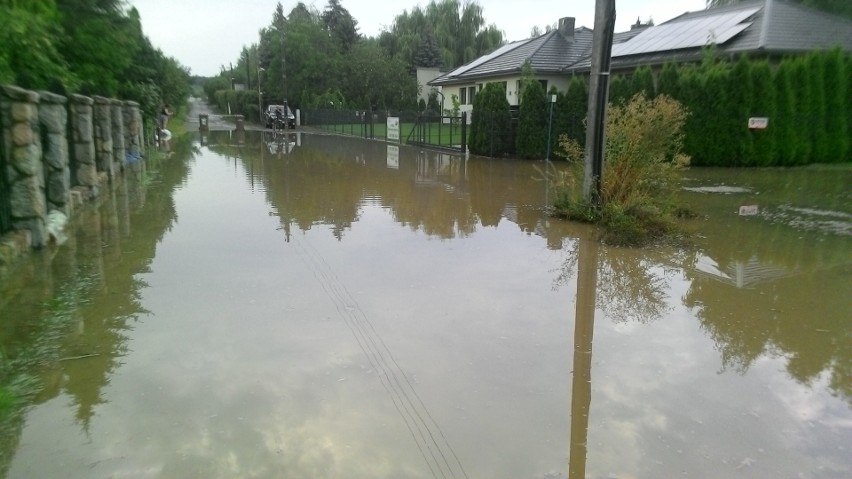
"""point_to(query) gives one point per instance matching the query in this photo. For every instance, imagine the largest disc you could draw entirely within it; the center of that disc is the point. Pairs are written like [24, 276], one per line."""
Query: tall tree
[340, 24]
[428, 55]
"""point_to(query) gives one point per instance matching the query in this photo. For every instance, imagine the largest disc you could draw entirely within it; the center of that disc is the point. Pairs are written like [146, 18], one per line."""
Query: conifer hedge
[806, 98]
[490, 121]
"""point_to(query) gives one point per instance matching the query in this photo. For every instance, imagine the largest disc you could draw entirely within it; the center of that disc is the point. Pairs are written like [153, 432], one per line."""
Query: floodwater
[330, 307]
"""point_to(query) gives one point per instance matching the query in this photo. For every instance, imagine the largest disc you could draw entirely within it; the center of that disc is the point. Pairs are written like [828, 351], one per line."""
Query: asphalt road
[215, 121]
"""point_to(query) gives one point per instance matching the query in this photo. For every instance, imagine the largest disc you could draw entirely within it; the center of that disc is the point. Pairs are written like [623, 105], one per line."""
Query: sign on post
[758, 122]
[393, 128]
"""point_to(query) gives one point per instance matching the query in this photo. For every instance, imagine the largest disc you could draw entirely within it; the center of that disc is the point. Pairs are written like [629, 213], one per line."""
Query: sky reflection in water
[350, 309]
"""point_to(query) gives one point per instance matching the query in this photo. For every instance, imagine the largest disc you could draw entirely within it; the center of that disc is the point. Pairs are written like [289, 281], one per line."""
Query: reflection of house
[762, 28]
[739, 273]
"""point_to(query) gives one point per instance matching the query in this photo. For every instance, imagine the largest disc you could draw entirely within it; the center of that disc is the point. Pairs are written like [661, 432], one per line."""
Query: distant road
[216, 122]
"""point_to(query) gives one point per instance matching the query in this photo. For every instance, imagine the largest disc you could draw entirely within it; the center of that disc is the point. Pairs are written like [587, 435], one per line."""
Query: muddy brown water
[317, 306]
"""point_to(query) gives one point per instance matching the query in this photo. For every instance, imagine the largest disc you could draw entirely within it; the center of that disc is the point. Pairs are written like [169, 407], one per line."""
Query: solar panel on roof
[484, 58]
[690, 33]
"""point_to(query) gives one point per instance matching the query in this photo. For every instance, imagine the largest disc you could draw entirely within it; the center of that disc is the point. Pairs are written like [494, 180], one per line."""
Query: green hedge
[490, 122]
[806, 99]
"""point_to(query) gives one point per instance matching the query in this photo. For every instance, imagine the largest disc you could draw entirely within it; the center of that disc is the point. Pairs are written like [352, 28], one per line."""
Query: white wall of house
[424, 76]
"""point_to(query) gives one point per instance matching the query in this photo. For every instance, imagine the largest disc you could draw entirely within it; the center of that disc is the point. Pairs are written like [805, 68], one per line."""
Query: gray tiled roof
[778, 27]
[548, 53]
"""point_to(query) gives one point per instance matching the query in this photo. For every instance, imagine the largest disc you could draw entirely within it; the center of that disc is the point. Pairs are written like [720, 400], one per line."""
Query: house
[764, 28]
[760, 28]
[548, 54]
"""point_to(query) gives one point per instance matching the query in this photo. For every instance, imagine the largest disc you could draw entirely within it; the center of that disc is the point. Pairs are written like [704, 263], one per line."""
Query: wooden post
[598, 92]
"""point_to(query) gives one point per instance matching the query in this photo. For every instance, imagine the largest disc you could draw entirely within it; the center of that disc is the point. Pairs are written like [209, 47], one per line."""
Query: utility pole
[598, 93]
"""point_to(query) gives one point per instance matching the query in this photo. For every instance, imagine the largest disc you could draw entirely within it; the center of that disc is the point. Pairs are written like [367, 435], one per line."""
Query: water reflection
[581, 385]
[337, 307]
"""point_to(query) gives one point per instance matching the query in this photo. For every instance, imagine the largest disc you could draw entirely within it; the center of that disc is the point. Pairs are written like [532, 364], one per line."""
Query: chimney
[566, 28]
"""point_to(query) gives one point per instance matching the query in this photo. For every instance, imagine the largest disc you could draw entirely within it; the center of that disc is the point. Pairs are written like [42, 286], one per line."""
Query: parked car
[286, 115]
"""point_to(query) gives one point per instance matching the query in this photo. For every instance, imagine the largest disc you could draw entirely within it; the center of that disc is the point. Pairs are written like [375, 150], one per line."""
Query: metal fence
[420, 128]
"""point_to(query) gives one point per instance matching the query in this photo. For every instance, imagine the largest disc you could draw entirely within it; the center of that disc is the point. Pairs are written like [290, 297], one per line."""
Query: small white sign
[758, 122]
[749, 210]
[393, 128]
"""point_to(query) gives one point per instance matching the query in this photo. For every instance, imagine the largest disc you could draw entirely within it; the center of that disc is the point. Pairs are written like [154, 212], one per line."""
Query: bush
[532, 121]
[641, 173]
[490, 124]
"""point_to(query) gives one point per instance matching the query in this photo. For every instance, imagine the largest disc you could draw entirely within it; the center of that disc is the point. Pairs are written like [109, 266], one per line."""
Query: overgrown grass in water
[641, 176]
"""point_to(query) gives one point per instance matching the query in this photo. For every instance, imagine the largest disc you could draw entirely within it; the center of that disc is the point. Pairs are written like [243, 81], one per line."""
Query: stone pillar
[25, 172]
[132, 130]
[102, 121]
[53, 118]
[118, 147]
[82, 143]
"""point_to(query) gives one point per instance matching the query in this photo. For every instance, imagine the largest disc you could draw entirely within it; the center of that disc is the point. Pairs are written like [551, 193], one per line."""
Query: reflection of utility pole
[598, 90]
[584, 325]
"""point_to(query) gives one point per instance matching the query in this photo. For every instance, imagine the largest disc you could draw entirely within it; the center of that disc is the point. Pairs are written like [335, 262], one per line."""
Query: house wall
[512, 88]
[424, 76]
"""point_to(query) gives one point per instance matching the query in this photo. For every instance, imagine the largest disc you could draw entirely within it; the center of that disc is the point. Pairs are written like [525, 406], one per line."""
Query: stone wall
[24, 170]
[58, 152]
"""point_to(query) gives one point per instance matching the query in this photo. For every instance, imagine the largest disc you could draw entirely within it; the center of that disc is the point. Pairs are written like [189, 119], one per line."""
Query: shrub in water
[641, 173]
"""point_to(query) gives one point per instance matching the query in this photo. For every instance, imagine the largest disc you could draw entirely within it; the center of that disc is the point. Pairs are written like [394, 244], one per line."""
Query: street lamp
[259, 96]
[552, 99]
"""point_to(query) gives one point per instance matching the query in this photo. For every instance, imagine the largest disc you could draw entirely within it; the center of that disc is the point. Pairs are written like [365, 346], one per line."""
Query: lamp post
[259, 96]
[552, 99]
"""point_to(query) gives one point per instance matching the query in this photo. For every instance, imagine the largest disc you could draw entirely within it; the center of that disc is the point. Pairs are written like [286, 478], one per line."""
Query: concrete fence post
[133, 130]
[53, 118]
[102, 121]
[118, 147]
[82, 143]
[25, 172]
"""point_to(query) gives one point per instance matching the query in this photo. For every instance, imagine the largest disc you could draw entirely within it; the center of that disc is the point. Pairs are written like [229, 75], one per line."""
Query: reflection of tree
[629, 287]
[451, 194]
[90, 292]
[777, 284]
[781, 317]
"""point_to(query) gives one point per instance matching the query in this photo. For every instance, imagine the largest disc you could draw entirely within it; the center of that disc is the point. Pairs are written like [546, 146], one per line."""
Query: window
[463, 96]
[471, 92]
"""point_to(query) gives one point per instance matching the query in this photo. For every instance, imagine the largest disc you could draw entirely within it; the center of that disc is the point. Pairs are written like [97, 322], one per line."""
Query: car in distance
[286, 115]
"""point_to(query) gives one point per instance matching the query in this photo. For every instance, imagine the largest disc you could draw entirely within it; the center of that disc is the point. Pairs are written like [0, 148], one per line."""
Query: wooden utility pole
[598, 93]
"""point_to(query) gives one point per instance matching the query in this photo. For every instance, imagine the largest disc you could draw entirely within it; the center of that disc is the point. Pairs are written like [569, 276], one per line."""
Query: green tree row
[92, 47]
[805, 98]
[317, 59]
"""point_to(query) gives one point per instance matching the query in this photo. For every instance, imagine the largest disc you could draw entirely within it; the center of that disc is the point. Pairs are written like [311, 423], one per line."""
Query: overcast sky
[205, 34]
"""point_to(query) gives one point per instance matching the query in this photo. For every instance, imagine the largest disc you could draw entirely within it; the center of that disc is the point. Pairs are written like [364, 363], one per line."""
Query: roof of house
[550, 52]
[766, 26]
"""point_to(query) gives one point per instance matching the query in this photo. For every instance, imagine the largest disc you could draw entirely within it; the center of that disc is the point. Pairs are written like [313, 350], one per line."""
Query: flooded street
[327, 307]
